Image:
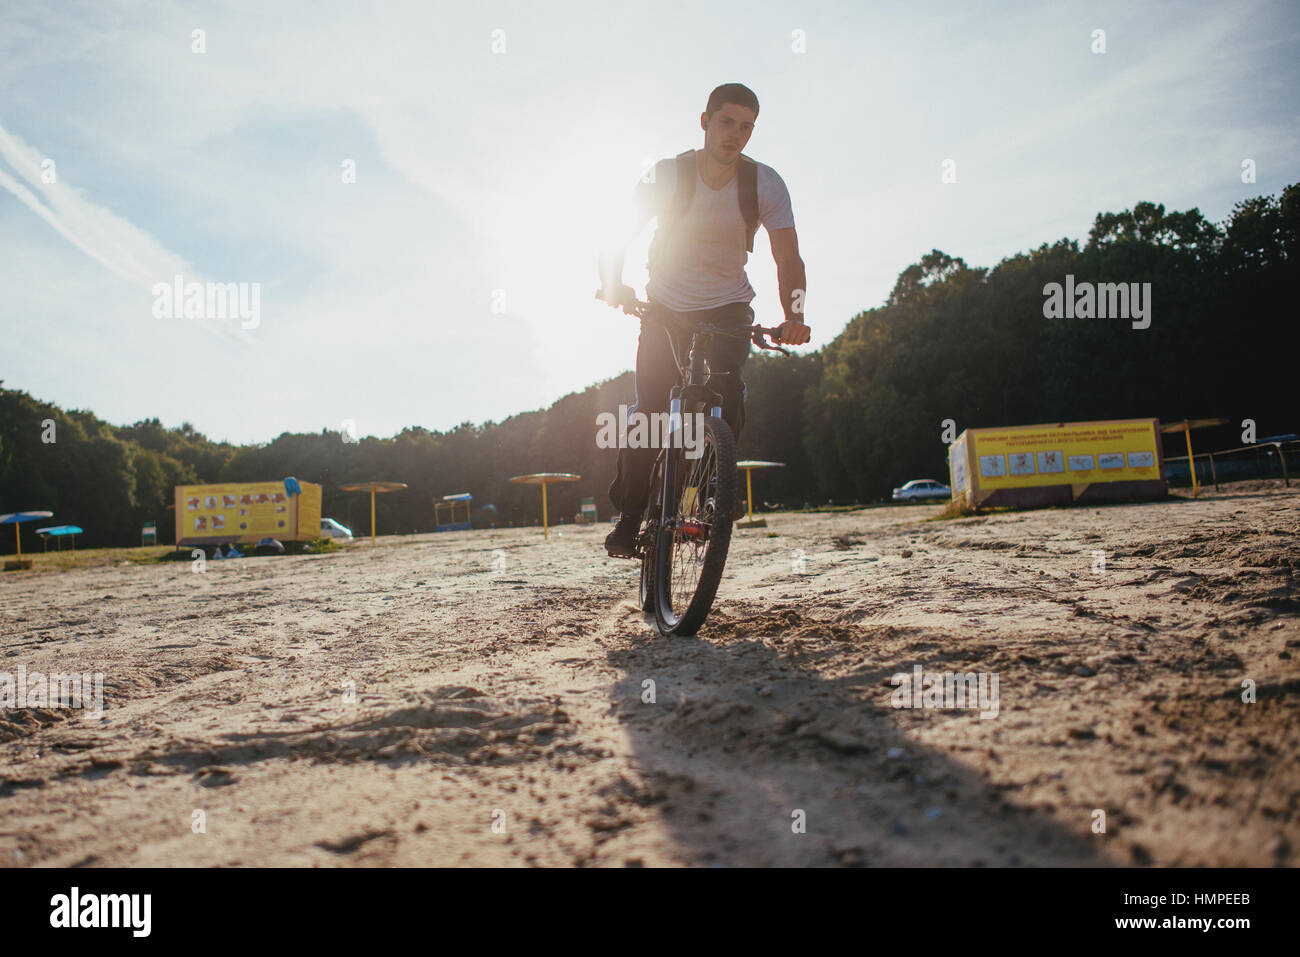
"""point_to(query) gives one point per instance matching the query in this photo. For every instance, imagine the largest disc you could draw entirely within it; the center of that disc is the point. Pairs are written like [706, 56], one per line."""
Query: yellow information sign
[1070, 456]
[246, 512]
[1052, 455]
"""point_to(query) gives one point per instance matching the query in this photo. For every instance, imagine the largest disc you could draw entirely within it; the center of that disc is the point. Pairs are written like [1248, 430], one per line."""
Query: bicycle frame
[701, 522]
[691, 393]
[687, 396]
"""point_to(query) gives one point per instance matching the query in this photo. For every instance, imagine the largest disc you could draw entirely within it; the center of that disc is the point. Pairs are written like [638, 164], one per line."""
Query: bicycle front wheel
[646, 593]
[691, 549]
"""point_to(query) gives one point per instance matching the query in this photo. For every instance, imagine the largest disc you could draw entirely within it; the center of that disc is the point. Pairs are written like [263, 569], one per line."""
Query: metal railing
[1266, 460]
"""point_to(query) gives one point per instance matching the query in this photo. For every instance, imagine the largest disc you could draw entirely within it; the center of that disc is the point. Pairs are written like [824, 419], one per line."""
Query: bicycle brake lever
[760, 340]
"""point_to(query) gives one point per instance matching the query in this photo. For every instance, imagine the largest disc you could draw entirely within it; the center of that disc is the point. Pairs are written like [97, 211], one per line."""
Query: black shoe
[621, 542]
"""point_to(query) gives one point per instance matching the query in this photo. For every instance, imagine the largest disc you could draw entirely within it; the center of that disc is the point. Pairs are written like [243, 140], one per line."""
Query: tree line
[851, 421]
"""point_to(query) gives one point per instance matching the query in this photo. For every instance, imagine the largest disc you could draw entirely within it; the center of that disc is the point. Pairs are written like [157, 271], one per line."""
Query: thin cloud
[110, 240]
[113, 242]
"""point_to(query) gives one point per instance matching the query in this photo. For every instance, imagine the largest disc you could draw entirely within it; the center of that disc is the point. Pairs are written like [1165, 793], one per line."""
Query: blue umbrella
[13, 518]
[58, 531]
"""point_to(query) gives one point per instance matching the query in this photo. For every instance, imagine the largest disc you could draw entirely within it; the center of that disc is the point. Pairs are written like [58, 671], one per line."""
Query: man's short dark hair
[736, 93]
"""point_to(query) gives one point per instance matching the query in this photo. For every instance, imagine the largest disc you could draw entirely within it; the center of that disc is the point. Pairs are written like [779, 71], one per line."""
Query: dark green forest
[852, 421]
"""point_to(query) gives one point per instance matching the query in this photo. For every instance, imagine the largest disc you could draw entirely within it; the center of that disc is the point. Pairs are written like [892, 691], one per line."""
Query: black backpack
[687, 174]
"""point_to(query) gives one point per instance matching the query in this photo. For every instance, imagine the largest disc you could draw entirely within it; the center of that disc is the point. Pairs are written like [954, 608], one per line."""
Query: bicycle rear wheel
[691, 547]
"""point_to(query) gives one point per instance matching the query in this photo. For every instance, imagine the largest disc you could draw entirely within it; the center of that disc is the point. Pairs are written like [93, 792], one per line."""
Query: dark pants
[656, 374]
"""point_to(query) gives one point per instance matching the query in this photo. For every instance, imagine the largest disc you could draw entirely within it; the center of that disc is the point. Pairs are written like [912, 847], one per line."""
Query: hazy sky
[453, 280]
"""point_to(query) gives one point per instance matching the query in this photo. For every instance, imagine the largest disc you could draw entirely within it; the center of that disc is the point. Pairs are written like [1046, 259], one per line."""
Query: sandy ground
[502, 713]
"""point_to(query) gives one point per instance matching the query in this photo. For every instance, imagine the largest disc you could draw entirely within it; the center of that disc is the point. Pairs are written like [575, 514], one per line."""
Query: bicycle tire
[682, 616]
[646, 593]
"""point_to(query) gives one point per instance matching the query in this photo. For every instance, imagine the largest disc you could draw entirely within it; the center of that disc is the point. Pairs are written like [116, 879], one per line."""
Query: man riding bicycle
[709, 204]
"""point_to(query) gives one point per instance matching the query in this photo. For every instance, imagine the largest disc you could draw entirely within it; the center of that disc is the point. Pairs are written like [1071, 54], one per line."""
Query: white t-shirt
[704, 265]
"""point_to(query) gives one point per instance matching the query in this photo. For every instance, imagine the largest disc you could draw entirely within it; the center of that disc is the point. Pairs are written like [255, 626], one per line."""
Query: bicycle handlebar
[757, 334]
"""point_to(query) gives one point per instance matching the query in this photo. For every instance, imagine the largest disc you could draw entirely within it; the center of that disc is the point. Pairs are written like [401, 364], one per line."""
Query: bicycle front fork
[697, 395]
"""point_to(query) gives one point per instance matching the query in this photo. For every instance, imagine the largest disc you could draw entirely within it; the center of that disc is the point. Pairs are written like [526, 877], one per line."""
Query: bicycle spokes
[692, 526]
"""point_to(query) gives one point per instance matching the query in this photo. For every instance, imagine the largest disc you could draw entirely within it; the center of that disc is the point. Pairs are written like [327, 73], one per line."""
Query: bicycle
[687, 526]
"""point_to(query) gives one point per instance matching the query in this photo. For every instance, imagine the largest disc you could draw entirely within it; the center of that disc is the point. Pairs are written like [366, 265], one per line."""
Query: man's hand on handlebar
[793, 333]
[789, 333]
[621, 296]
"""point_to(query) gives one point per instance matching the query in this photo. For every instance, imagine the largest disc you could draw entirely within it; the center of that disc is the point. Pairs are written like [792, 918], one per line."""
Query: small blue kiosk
[450, 502]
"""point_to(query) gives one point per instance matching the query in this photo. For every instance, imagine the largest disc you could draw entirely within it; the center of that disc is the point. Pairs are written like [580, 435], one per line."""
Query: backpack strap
[747, 186]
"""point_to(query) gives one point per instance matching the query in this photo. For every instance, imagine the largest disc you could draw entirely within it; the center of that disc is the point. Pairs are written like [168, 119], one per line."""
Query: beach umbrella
[543, 479]
[16, 518]
[1186, 427]
[749, 465]
[372, 488]
[58, 531]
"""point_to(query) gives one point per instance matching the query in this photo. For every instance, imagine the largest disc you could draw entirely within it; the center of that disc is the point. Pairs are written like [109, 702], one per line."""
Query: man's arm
[792, 282]
[612, 288]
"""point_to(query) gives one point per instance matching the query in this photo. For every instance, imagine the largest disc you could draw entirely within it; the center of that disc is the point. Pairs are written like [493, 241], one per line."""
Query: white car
[332, 529]
[922, 488]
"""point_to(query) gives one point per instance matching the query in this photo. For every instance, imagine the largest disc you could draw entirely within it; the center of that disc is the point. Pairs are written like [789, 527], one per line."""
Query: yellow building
[1033, 465]
[246, 512]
